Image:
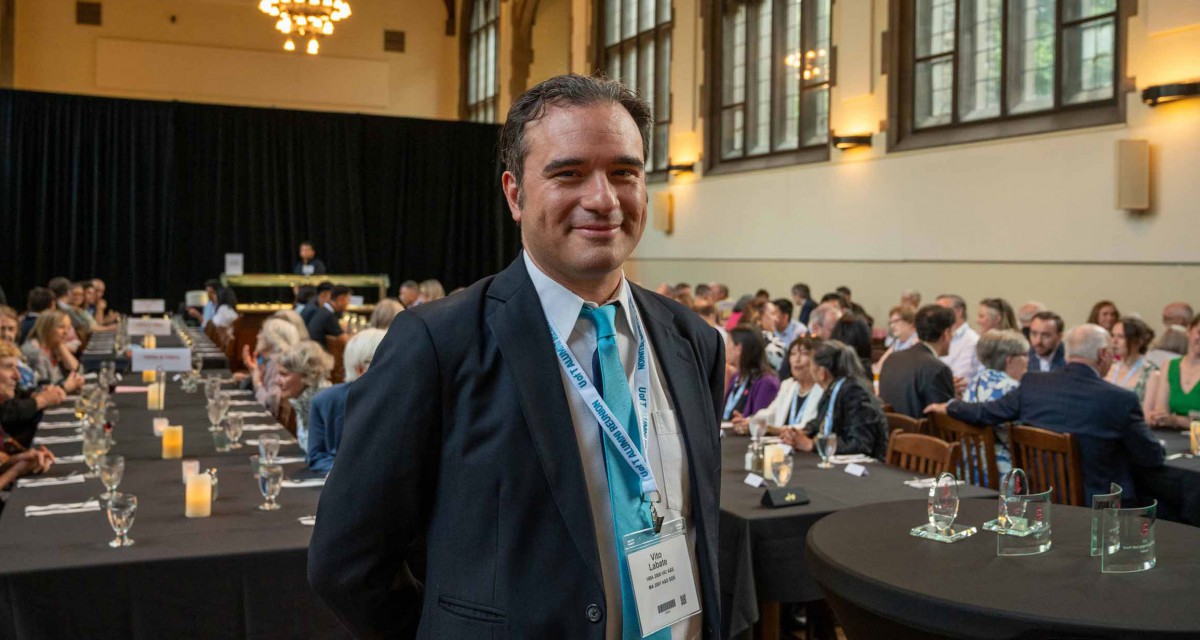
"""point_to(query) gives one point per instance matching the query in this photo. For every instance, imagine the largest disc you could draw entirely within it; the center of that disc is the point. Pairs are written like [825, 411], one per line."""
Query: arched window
[481, 87]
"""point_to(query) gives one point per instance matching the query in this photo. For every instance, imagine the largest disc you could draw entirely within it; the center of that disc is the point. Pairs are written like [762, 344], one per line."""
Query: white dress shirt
[776, 413]
[962, 359]
[664, 447]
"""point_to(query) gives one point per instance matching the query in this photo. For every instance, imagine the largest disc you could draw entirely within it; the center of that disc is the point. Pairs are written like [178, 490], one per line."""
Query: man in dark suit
[1046, 352]
[322, 297]
[802, 297]
[308, 264]
[467, 433]
[323, 322]
[1105, 419]
[916, 377]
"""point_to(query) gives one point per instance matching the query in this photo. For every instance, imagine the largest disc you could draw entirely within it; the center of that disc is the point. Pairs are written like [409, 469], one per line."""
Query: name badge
[307, 269]
[660, 571]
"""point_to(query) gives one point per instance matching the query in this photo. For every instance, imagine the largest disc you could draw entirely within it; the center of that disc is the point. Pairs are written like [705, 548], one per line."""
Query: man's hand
[939, 408]
[50, 396]
[960, 385]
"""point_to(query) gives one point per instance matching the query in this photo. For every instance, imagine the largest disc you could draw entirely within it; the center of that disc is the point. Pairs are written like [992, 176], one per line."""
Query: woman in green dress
[1181, 393]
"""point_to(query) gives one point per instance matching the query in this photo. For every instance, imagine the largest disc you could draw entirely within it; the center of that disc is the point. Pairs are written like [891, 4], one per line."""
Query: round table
[884, 583]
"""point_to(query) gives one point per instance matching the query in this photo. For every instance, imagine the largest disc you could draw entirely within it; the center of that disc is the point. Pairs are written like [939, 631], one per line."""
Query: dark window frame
[903, 135]
[465, 107]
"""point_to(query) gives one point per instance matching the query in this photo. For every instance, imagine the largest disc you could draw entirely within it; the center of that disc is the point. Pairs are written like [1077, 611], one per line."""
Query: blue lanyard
[829, 408]
[794, 413]
[733, 398]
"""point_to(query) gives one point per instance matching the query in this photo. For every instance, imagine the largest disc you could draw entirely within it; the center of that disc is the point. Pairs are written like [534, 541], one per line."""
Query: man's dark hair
[932, 321]
[305, 294]
[844, 290]
[833, 296]
[802, 290]
[567, 90]
[1049, 316]
[85, 284]
[339, 291]
[212, 283]
[410, 284]
[309, 244]
[40, 299]
[702, 290]
[60, 286]
[785, 306]
[682, 285]
[226, 297]
[324, 286]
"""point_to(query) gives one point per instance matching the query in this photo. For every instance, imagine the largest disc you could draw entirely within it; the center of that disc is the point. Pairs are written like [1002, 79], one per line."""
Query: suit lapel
[525, 343]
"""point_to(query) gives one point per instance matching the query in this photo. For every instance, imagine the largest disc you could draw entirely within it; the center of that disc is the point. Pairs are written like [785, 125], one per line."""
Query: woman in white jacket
[798, 396]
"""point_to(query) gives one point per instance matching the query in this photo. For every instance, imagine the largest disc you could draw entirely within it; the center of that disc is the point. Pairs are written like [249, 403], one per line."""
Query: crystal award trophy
[1128, 544]
[1100, 502]
[943, 509]
[1027, 529]
[1008, 522]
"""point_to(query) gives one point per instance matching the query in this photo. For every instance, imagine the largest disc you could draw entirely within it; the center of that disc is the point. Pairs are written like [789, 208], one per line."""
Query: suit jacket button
[594, 613]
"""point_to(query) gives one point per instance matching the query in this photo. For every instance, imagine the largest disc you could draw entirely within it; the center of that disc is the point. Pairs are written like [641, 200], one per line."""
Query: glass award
[1014, 483]
[943, 509]
[1128, 544]
[1028, 525]
[1100, 502]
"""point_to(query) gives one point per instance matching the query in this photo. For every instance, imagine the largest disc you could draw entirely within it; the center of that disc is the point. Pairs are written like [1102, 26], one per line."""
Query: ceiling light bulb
[289, 45]
[313, 47]
[327, 29]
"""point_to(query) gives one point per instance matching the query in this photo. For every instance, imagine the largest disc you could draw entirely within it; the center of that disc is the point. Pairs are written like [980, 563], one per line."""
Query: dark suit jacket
[322, 324]
[858, 420]
[809, 305]
[1105, 419]
[914, 379]
[460, 433]
[1057, 361]
[317, 265]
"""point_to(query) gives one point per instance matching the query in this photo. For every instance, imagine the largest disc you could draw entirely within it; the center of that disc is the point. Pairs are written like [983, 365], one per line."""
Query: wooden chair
[977, 461]
[887, 408]
[286, 416]
[904, 423]
[1049, 459]
[337, 349]
[921, 454]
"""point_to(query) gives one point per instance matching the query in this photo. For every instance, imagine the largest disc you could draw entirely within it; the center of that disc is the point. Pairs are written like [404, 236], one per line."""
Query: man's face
[89, 295]
[341, 303]
[323, 297]
[212, 293]
[987, 319]
[1044, 336]
[75, 297]
[8, 329]
[408, 296]
[770, 317]
[307, 253]
[99, 287]
[582, 201]
[9, 377]
[949, 304]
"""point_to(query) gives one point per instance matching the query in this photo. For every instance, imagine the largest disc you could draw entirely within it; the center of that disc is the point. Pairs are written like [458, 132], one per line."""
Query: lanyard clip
[655, 518]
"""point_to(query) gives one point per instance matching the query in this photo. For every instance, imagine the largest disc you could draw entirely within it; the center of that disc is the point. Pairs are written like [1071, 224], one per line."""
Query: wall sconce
[676, 169]
[1170, 92]
[850, 142]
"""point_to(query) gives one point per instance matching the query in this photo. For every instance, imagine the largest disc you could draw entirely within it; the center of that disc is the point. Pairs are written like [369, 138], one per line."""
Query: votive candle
[159, 425]
[198, 498]
[172, 442]
[148, 375]
[190, 468]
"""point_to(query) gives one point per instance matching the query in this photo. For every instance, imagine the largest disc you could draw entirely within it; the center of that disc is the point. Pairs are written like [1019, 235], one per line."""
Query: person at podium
[308, 264]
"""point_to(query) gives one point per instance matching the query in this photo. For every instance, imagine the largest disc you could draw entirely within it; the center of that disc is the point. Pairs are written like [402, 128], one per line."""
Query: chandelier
[808, 65]
[305, 18]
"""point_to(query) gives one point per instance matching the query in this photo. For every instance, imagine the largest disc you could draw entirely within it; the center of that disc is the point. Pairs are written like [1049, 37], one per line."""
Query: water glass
[781, 469]
[112, 417]
[826, 448]
[121, 507]
[112, 469]
[218, 405]
[233, 429]
[268, 446]
[758, 426]
[270, 480]
[95, 445]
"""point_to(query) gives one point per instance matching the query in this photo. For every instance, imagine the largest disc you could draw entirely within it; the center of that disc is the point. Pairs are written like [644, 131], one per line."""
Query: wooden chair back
[1049, 459]
[337, 349]
[903, 423]
[924, 455]
[976, 462]
[286, 416]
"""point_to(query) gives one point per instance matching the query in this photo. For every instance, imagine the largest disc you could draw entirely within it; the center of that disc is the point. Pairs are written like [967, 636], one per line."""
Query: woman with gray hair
[1005, 358]
[303, 371]
[385, 311]
[275, 337]
[293, 317]
[327, 414]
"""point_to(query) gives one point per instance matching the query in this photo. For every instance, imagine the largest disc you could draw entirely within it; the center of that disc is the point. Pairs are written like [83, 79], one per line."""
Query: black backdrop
[150, 195]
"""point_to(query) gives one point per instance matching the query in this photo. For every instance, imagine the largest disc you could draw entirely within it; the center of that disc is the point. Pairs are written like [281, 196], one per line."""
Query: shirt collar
[961, 331]
[330, 307]
[562, 307]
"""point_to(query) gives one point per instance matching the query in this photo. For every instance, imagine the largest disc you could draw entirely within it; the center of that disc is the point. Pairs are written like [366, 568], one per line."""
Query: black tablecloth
[762, 550]
[880, 578]
[239, 573]
[100, 349]
[1177, 484]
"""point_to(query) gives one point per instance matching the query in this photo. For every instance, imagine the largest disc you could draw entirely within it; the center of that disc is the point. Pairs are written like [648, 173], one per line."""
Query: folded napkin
[254, 441]
[58, 425]
[856, 458]
[240, 392]
[250, 414]
[59, 411]
[46, 482]
[307, 482]
[307, 521]
[57, 439]
[130, 389]
[69, 459]
[244, 403]
[69, 507]
[90, 376]
[261, 427]
[926, 483]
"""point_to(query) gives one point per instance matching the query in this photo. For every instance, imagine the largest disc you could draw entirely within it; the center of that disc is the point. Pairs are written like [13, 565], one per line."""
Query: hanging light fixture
[305, 18]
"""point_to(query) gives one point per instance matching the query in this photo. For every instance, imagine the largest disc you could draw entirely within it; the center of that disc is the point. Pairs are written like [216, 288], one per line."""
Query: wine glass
[95, 445]
[112, 416]
[943, 503]
[212, 386]
[81, 407]
[217, 406]
[233, 429]
[112, 469]
[758, 426]
[268, 447]
[270, 479]
[781, 469]
[197, 363]
[121, 509]
[826, 448]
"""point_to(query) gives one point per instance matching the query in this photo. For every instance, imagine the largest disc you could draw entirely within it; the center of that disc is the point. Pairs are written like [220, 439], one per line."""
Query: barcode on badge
[666, 606]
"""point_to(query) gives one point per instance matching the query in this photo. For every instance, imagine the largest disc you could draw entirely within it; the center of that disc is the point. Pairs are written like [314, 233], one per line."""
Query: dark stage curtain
[151, 195]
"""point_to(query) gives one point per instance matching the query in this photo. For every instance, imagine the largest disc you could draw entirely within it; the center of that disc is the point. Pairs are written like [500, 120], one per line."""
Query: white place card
[149, 327]
[170, 359]
[754, 480]
[149, 305]
[195, 298]
[234, 264]
[856, 469]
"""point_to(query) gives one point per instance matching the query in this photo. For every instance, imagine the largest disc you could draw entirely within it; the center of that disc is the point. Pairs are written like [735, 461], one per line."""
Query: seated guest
[1181, 393]
[995, 313]
[1104, 314]
[665, 289]
[902, 331]
[708, 312]
[303, 371]
[703, 292]
[294, 319]
[21, 413]
[430, 290]
[1177, 314]
[784, 327]
[324, 322]
[911, 297]
[1025, 315]
[1045, 336]
[385, 311]
[308, 264]
[304, 295]
[833, 297]
[62, 292]
[39, 299]
[802, 298]
[328, 411]
[855, 333]
[776, 348]
[823, 320]
[796, 403]
[82, 295]
[685, 298]
[916, 378]
[754, 384]
[1005, 358]
[409, 292]
[1106, 420]
[324, 294]
[205, 315]
[742, 313]
[226, 312]
[99, 308]
[848, 407]
[683, 288]
[274, 339]
[1133, 370]
[854, 307]
[961, 359]
[16, 460]
[47, 352]
[1170, 345]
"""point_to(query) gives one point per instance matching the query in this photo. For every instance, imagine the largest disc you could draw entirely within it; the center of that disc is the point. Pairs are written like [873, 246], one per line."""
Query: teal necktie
[630, 511]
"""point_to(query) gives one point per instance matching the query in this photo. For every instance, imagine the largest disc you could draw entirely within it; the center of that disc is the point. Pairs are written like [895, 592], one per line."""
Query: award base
[1019, 528]
[952, 534]
[784, 497]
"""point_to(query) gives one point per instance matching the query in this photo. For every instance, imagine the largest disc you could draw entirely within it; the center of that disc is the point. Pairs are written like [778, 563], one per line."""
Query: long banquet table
[100, 349]
[237, 574]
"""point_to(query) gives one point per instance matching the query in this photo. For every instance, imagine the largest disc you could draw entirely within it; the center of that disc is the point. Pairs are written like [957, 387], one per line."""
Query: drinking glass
[212, 386]
[217, 406]
[112, 469]
[112, 416]
[233, 429]
[943, 503]
[268, 446]
[781, 469]
[758, 426]
[826, 448]
[270, 479]
[121, 507]
[95, 445]
[81, 407]
[197, 363]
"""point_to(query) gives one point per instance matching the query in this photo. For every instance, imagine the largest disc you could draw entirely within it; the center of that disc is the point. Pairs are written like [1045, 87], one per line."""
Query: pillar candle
[152, 396]
[148, 375]
[172, 442]
[159, 425]
[198, 500]
[771, 453]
